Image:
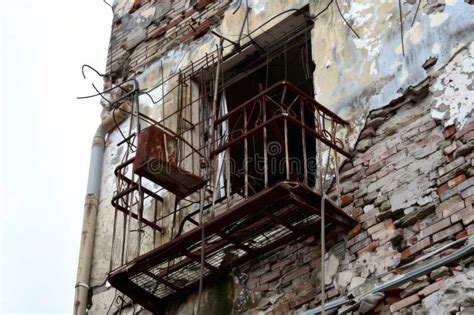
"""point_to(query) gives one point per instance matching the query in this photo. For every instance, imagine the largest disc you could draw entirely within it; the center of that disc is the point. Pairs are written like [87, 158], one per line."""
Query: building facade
[281, 157]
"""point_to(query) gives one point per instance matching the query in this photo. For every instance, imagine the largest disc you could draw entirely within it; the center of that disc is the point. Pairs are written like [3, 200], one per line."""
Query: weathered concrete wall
[353, 76]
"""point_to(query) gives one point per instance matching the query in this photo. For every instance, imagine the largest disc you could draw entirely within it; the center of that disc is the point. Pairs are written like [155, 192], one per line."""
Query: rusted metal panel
[155, 160]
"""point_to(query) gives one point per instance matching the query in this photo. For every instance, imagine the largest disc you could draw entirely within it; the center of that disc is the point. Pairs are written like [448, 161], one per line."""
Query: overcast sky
[45, 137]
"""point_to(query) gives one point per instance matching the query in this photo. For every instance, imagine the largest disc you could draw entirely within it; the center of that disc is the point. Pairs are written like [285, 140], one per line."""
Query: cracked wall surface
[356, 75]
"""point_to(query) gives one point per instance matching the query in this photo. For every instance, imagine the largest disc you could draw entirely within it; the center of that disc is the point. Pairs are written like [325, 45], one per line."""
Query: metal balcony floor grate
[265, 221]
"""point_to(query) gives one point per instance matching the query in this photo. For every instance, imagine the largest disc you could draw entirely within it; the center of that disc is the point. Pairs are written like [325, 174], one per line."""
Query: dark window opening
[292, 62]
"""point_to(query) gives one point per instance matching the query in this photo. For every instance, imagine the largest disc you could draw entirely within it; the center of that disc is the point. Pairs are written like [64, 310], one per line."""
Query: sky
[45, 140]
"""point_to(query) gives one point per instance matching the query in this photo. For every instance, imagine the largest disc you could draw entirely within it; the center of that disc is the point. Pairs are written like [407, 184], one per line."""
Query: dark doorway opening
[289, 61]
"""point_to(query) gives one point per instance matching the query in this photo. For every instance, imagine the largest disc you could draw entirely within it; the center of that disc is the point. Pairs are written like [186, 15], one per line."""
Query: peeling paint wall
[355, 75]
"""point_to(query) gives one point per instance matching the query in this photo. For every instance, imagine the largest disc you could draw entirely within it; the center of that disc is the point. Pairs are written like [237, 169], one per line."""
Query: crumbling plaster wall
[355, 75]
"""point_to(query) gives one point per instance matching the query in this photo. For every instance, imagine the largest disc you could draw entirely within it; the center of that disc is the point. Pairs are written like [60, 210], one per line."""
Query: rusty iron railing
[268, 155]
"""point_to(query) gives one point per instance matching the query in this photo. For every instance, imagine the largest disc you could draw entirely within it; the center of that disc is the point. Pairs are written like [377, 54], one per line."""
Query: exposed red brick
[187, 36]
[453, 208]
[438, 226]
[157, 34]
[424, 243]
[449, 131]
[270, 276]
[441, 189]
[465, 130]
[346, 200]
[404, 303]
[296, 273]
[392, 299]
[290, 295]
[302, 299]
[456, 181]
[450, 231]
[355, 230]
[468, 136]
[357, 247]
[450, 149]
[305, 288]
[466, 215]
[355, 212]
[431, 288]
[332, 293]
[393, 291]
[188, 13]
[358, 238]
[201, 4]
[451, 166]
[174, 22]
[380, 226]
[461, 234]
[136, 5]
[202, 28]
[390, 233]
[282, 308]
[370, 248]
[447, 252]
[221, 12]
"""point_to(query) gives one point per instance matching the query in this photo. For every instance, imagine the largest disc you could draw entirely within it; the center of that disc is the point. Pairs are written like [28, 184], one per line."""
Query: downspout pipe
[91, 206]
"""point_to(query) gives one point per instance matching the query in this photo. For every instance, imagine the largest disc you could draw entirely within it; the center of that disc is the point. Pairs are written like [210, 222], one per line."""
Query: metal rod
[303, 143]
[265, 144]
[246, 161]
[287, 160]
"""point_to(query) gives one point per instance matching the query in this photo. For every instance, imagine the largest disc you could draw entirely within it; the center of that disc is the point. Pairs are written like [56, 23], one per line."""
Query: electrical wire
[345, 21]
[108, 5]
[248, 29]
[401, 26]
[416, 12]
[238, 7]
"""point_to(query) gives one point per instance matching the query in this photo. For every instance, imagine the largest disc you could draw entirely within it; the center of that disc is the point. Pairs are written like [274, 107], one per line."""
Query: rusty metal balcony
[277, 202]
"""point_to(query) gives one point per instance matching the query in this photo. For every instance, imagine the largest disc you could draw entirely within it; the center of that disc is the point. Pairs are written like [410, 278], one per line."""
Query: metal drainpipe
[91, 207]
[88, 225]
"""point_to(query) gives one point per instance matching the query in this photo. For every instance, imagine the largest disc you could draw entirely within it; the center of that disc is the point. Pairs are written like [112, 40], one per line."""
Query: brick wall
[148, 30]
[410, 185]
